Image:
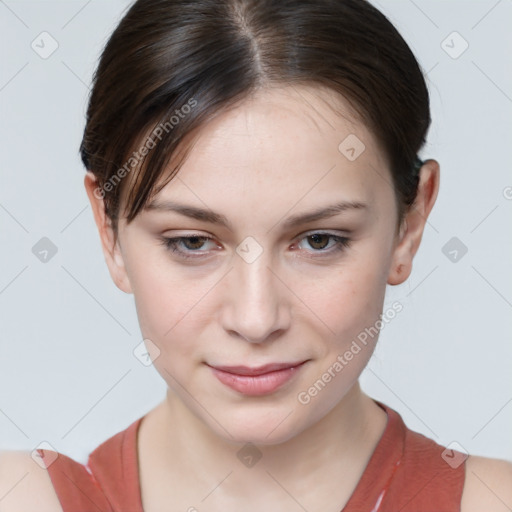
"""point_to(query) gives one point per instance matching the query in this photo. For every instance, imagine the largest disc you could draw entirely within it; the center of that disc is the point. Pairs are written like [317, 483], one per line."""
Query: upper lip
[256, 370]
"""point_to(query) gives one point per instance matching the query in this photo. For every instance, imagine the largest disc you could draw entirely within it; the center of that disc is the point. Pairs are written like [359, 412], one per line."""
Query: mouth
[256, 381]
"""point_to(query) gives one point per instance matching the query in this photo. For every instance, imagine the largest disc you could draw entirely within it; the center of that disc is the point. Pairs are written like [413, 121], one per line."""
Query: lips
[255, 381]
[254, 371]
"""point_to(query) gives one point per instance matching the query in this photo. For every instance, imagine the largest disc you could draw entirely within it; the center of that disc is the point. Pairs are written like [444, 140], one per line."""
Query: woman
[253, 172]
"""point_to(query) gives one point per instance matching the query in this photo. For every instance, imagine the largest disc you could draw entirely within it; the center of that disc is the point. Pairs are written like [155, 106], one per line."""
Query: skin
[274, 156]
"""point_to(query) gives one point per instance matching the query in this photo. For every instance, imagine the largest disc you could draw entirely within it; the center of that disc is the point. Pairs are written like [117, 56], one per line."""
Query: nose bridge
[256, 306]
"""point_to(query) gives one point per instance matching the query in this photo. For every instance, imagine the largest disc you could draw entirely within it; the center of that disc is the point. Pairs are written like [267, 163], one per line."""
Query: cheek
[349, 299]
[159, 296]
[169, 301]
[165, 306]
[350, 304]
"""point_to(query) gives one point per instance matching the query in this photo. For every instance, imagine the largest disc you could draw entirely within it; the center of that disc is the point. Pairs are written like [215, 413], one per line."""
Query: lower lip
[256, 385]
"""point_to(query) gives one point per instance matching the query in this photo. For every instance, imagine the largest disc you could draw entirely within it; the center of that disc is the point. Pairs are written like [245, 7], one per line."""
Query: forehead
[290, 123]
[281, 117]
[282, 148]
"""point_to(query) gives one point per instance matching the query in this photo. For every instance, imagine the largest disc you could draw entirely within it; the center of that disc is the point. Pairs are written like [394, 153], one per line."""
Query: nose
[256, 302]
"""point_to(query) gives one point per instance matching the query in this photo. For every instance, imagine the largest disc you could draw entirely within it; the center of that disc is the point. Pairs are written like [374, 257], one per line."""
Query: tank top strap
[431, 477]
[109, 482]
[380, 470]
[76, 488]
[114, 465]
[407, 472]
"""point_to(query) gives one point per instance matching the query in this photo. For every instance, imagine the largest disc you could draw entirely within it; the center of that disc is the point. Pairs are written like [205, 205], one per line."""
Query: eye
[324, 243]
[197, 246]
[187, 246]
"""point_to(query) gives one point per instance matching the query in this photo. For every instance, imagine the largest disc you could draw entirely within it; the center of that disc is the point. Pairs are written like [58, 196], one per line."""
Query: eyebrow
[212, 217]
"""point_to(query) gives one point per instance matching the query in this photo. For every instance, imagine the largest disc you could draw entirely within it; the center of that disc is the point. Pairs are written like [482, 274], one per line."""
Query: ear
[411, 231]
[111, 247]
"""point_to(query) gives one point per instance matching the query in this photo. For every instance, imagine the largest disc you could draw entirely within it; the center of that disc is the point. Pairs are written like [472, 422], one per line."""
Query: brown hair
[172, 65]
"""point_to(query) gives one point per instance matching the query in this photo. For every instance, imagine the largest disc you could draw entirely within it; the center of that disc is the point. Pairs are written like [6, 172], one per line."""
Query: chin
[261, 424]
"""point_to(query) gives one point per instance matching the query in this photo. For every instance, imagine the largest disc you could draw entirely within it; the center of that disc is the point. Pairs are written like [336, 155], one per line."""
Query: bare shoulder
[24, 485]
[488, 485]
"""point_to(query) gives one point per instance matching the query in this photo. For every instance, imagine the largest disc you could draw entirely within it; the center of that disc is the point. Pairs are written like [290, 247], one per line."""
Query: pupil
[194, 242]
[317, 240]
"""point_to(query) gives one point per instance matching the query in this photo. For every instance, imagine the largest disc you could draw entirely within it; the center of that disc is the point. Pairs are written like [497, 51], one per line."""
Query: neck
[341, 444]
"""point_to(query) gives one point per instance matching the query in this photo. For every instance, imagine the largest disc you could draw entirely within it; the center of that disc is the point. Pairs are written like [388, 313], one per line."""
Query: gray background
[68, 375]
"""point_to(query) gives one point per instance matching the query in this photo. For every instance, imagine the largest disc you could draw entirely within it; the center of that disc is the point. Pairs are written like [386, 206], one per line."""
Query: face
[253, 284]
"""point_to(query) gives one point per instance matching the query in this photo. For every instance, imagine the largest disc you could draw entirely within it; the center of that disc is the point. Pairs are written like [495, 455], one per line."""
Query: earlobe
[411, 231]
[400, 269]
[110, 246]
[117, 268]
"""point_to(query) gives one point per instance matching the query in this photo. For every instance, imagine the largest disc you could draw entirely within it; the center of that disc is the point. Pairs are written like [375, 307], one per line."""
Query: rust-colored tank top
[407, 471]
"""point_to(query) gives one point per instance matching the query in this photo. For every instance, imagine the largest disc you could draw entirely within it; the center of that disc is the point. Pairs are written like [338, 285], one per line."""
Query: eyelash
[171, 244]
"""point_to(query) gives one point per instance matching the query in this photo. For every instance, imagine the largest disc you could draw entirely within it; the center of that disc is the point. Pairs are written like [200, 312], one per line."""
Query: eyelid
[327, 231]
[332, 232]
